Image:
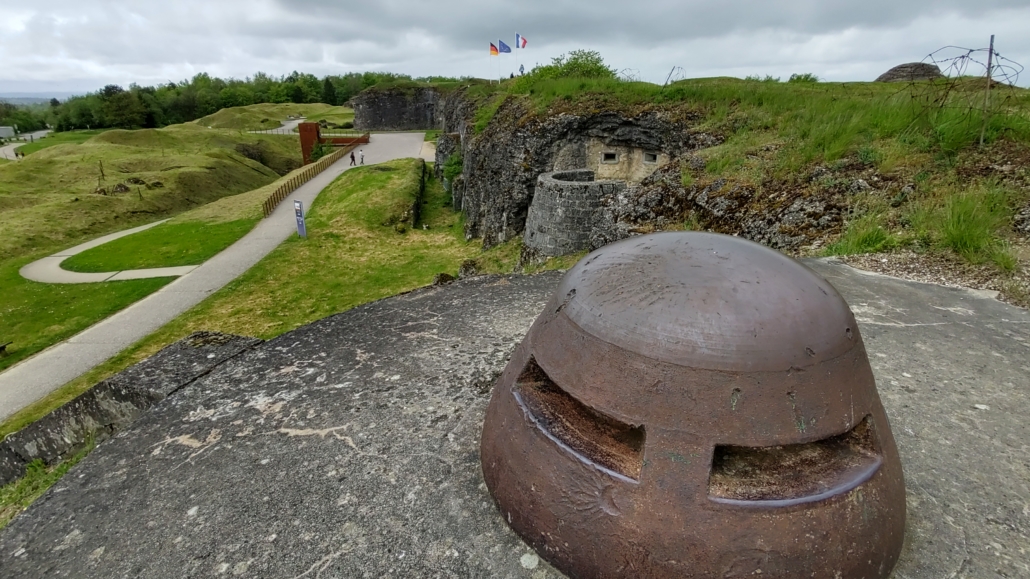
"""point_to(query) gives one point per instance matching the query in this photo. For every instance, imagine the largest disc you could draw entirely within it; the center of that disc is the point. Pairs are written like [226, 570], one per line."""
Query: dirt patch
[951, 271]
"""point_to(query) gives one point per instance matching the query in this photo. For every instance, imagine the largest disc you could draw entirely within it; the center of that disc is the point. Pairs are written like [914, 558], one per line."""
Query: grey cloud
[97, 41]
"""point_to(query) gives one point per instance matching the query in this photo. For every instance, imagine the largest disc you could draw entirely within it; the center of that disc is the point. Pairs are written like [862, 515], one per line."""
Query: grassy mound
[167, 245]
[270, 116]
[49, 199]
[48, 202]
[904, 161]
[54, 139]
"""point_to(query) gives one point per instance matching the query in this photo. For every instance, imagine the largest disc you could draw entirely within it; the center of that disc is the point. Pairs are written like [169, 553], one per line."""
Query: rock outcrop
[396, 109]
[502, 164]
[413, 108]
[786, 220]
[910, 72]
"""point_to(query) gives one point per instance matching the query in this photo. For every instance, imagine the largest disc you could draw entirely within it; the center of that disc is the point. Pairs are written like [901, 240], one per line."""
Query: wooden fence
[309, 172]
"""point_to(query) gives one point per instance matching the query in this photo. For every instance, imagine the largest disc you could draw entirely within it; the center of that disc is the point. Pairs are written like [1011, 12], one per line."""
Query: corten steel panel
[310, 134]
[696, 405]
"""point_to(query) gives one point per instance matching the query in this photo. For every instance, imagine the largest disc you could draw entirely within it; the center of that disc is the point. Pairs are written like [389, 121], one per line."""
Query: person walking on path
[361, 153]
[352, 163]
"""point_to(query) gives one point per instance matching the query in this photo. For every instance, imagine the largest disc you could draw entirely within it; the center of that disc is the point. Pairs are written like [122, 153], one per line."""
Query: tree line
[173, 103]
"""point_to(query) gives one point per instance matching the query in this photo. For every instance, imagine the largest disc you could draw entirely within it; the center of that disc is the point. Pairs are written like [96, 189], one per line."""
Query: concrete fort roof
[349, 447]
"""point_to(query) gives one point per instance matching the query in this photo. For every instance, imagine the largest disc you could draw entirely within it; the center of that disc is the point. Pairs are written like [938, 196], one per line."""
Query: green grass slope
[54, 139]
[931, 185]
[48, 200]
[270, 116]
[167, 245]
[48, 203]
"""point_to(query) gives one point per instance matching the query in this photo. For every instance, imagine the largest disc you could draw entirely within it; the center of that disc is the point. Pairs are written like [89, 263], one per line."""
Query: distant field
[53, 139]
[270, 116]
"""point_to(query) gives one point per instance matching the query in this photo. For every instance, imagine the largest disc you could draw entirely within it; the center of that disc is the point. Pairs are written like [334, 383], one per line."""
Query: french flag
[520, 41]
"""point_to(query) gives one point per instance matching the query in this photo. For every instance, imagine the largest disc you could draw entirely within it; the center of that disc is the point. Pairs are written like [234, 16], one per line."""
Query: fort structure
[562, 214]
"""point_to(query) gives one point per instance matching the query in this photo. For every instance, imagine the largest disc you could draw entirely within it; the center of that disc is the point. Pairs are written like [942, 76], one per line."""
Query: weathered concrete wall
[501, 164]
[413, 109]
[563, 212]
[446, 145]
[114, 403]
[400, 109]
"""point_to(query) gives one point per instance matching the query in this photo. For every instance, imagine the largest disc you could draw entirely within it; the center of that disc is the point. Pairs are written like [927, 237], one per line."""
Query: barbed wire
[956, 61]
[629, 74]
[977, 84]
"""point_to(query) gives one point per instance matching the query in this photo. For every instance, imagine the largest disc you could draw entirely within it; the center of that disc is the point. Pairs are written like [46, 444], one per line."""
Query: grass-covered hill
[49, 201]
[50, 198]
[921, 167]
[270, 116]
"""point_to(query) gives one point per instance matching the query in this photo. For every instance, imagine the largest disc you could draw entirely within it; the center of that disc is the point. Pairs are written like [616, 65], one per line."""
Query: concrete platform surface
[349, 447]
[34, 378]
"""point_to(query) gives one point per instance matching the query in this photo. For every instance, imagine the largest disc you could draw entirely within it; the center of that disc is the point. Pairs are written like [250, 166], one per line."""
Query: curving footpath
[49, 270]
[34, 378]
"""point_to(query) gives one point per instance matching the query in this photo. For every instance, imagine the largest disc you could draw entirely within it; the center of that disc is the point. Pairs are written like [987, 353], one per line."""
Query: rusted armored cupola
[696, 405]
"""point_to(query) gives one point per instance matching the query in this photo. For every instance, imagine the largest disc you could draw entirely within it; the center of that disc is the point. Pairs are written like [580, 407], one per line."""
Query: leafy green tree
[187, 100]
[235, 96]
[575, 64]
[803, 78]
[123, 109]
[296, 93]
[329, 92]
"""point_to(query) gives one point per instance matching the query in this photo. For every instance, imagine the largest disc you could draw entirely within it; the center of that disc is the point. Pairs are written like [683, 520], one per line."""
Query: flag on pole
[502, 47]
[520, 41]
[493, 50]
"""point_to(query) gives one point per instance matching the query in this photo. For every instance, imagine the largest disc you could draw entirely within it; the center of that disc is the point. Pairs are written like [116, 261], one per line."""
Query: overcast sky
[80, 45]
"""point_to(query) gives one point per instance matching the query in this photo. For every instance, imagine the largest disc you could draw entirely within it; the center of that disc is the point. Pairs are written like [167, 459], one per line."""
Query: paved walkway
[47, 371]
[49, 270]
[428, 152]
[287, 128]
[7, 151]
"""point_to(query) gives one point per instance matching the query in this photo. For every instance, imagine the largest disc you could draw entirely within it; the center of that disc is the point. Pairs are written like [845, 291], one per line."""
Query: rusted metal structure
[696, 405]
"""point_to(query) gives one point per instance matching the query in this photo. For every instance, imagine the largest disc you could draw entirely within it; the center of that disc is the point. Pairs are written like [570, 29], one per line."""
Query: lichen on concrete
[349, 447]
[117, 401]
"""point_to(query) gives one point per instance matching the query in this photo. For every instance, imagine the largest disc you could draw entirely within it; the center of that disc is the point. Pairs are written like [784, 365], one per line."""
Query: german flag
[493, 50]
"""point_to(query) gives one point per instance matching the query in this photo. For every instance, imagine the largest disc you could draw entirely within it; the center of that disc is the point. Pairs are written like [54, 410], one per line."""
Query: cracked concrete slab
[349, 447]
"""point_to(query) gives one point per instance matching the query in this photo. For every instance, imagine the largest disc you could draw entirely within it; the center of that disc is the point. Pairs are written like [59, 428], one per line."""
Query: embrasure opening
[797, 473]
[591, 435]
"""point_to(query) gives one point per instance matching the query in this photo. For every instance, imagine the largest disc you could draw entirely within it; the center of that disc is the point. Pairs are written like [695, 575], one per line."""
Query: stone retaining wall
[563, 211]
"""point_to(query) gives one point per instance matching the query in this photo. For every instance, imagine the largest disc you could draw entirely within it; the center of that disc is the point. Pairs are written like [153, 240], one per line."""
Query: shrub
[320, 150]
[803, 77]
[575, 64]
[766, 78]
[452, 166]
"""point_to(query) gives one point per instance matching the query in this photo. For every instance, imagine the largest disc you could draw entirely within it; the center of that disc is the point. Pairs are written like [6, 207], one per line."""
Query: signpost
[298, 209]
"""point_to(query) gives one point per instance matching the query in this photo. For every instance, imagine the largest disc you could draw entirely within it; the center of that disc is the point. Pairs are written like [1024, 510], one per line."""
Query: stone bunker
[563, 211]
